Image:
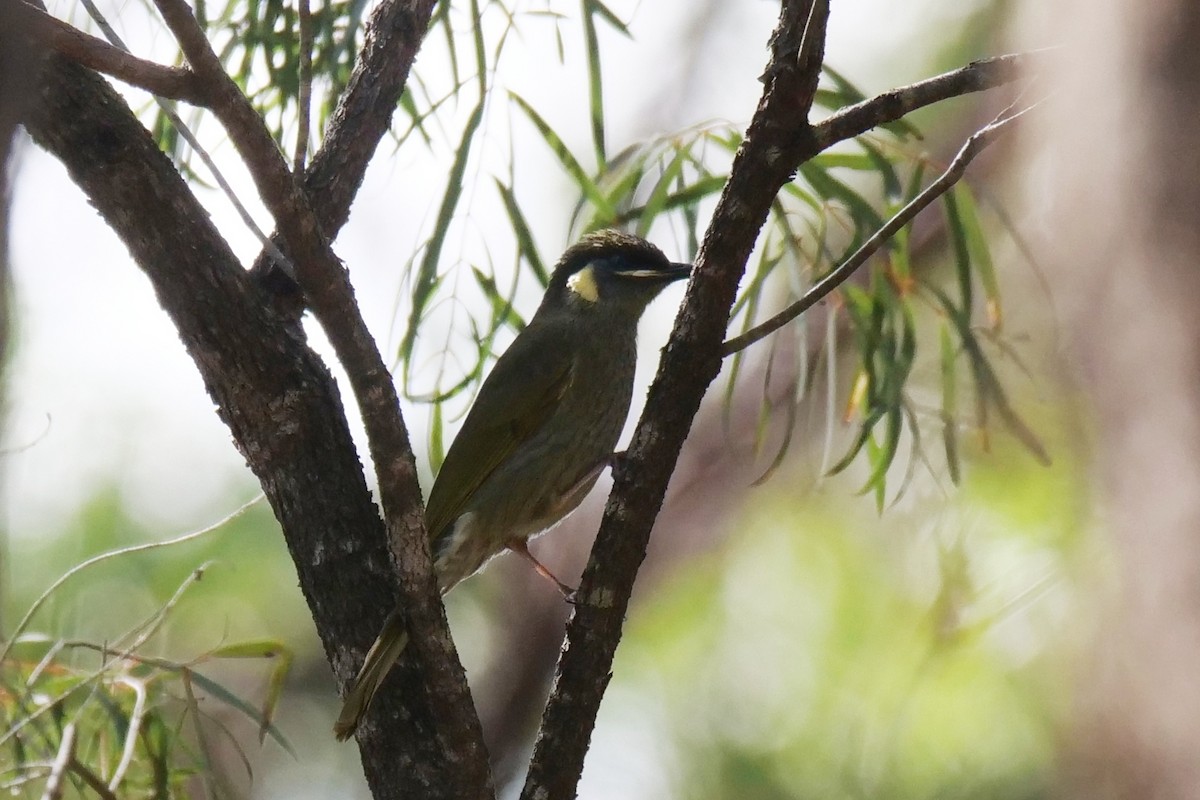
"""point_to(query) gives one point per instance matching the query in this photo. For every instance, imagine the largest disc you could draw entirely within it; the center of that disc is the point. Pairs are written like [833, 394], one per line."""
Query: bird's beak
[679, 272]
[671, 274]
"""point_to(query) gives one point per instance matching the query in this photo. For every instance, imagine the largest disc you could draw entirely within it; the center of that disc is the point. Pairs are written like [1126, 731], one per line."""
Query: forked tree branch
[112, 158]
[327, 287]
[774, 147]
[279, 401]
[363, 115]
[174, 83]
[974, 145]
[764, 163]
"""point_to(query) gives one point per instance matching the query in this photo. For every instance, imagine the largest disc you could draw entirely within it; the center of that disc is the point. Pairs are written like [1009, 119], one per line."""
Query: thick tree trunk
[1127, 222]
[14, 56]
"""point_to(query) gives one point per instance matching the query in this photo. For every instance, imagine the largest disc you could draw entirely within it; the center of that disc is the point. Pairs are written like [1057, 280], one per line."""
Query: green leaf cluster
[111, 715]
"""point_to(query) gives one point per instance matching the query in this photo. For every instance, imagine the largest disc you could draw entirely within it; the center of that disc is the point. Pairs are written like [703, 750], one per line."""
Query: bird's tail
[379, 660]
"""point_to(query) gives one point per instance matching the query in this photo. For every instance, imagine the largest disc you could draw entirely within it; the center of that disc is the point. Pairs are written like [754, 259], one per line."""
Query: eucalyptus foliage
[858, 357]
[459, 104]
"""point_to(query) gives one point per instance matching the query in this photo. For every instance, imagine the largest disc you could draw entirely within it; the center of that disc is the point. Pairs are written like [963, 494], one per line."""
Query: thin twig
[891, 106]
[131, 734]
[363, 115]
[92, 780]
[186, 134]
[62, 761]
[65, 39]
[137, 548]
[974, 145]
[305, 99]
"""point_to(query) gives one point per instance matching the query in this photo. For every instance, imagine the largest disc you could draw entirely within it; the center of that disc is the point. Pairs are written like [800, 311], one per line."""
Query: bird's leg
[521, 548]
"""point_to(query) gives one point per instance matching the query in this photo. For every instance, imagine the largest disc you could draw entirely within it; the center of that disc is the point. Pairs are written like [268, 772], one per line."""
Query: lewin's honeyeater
[542, 428]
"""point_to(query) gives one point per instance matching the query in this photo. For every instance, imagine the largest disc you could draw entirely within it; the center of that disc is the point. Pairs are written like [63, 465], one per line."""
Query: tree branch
[774, 146]
[769, 154]
[67, 40]
[364, 112]
[891, 106]
[363, 115]
[279, 401]
[974, 145]
[327, 286]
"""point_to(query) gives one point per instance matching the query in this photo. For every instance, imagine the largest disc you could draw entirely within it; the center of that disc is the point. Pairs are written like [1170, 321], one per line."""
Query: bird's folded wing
[520, 394]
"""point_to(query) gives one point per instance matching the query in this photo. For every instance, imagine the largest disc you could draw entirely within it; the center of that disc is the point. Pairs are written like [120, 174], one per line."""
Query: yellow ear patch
[583, 283]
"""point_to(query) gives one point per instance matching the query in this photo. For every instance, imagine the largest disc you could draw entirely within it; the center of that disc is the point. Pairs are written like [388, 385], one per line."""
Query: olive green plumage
[542, 428]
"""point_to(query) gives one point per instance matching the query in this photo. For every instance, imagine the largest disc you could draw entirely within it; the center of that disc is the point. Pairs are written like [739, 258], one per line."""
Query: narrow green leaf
[881, 455]
[792, 411]
[481, 68]
[258, 648]
[620, 189]
[864, 434]
[271, 649]
[856, 161]
[426, 279]
[437, 441]
[962, 255]
[884, 167]
[605, 13]
[989, 392]
[830, 99]
[595, 88]
[844, 88]
[520, 228]
[408, 105]
[684, 199]
[657, 200]
[502, 311]
[587, 187]
[234, 701]
[808, 198]
[866, 218]
[900, 260]
[980, 252]
[913, 187]
[441, 18]
[949, 363]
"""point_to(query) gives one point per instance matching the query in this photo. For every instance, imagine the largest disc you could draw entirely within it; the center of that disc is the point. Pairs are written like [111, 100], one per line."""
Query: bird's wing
[522, 391]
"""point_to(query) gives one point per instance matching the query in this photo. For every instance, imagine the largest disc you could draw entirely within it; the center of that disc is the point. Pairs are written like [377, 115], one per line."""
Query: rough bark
[327, 289]
[277, 398]
[769, 155]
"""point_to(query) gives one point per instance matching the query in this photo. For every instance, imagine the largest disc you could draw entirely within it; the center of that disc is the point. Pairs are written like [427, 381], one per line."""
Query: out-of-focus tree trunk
[17, 62]
[1125, 220]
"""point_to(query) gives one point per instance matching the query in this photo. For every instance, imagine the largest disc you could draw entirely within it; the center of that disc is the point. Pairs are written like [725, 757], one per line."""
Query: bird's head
[613, 273]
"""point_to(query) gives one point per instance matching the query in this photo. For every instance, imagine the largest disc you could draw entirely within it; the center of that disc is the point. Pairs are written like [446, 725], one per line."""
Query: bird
[543, 427]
